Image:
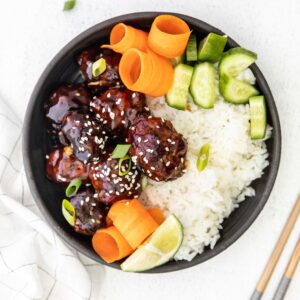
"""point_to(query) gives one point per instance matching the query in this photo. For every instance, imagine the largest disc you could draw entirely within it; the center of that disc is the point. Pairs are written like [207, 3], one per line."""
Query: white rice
[201, 200]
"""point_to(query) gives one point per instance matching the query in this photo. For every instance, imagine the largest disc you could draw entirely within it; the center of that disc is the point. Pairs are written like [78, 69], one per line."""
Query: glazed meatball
[118, 108]
[109, 185]
[90, 214]
[109, 78]
[157, 148]
[63, 167]
[65, 99]
[87, 138]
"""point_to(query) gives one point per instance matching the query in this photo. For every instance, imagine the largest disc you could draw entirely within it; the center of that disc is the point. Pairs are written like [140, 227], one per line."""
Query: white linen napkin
[34, 263]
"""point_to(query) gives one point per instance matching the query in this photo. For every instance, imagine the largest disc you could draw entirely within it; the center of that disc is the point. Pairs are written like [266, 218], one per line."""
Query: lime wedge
[159, 249]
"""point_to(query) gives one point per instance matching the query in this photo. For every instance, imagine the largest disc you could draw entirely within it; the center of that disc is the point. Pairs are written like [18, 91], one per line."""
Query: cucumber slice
[191, 49]
[236, 91]
[236, 60]
[178, 94]
[211, 48]
[258, 117]
[203, 87]
[177, 60]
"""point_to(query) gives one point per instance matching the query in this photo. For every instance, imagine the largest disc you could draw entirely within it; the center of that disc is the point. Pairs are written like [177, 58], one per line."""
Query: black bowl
[63, 69]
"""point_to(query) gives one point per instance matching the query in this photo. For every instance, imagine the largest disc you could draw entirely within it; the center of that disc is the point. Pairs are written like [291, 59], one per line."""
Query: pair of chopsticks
[272, 262]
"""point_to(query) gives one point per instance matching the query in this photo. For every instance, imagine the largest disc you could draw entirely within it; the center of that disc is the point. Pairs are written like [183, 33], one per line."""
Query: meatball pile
[86, 123]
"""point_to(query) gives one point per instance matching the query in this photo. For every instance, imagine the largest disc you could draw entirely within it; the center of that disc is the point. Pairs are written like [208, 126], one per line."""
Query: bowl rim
[27, 132]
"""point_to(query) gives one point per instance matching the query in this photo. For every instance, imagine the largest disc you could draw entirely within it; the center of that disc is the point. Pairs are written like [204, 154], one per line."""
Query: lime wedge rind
[148, 256]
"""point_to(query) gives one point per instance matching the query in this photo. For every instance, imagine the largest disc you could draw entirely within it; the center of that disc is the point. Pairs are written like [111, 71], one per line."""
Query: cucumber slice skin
[202, 86]
[191, 49]
[177, 96]
[258, 117]
[236, 91]
[211, 48]
[236, 60]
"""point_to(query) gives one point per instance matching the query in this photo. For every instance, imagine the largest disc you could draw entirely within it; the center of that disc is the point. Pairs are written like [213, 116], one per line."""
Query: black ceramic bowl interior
[63, 69]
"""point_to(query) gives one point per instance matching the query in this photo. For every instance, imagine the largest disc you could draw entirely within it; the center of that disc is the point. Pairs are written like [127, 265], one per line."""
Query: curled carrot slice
[157, 214]
[135, 70]
[133, 221]
[162, 77]
[168, 36]
[124, 37]
[110, 244]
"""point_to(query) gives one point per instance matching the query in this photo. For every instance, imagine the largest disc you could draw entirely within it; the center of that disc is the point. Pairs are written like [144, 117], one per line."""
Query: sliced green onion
[68, 211]
[120, 151]
[73, 187]
[203, 156]
[98, 67]
[69, 4]
[144, 182]
[126, 171]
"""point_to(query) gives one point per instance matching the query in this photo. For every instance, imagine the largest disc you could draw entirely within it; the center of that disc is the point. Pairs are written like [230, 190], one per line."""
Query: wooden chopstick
[272, 262]
[288, 273]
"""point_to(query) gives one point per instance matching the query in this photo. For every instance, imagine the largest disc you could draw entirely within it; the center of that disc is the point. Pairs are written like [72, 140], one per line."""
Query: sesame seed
[122, 113]
[146, 108]
[167, 149]
[108, 95]
[81, 202]
[150, 117]
[133, 95]
[158, 142]
[47, 156]
[87, 199]
[156, 178]
[152, 168]
[168, 163]
[141, 153]
[145, 141]
[123, 122]
[139, 139]
[93, 221]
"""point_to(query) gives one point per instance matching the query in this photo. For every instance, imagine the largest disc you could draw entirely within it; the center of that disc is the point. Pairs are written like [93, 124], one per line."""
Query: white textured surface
[33, 31]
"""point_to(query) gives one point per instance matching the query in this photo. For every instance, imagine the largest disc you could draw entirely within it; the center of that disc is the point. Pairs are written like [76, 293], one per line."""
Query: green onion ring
[68, 211]
[120, 151]
[203, 157]
[121, 160]
[73, 187]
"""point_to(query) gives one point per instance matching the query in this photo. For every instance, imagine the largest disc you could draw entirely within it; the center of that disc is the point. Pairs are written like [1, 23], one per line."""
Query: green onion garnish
[120, 151]
[69, 4]
[203, 156]
[121, 167]
[144, 182]
[73, 187]
[68, 211]
[98, 67]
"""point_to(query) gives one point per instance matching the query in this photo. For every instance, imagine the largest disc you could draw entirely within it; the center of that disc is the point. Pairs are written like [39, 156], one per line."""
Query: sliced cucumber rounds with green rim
[258, 117]
[236, 60]
[191, 49]
[203, 85]
[211, 48]
[177, 96]
[236, 91]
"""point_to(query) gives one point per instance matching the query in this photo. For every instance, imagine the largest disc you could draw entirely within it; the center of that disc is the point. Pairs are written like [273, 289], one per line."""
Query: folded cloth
[34, 263]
